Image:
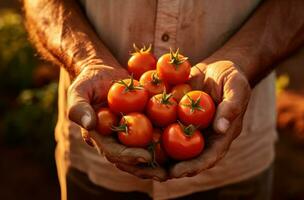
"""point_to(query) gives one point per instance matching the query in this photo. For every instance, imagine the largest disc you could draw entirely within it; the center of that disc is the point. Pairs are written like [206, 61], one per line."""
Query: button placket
[166, 26]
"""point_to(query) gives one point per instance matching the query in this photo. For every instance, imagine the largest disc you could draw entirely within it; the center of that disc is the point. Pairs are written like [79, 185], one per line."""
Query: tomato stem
[123, 127]
[175, 59]
[151, 149]
[166, 98]
[130, 86]
[188, 130]
[194, 104]
[155, 79]
[142, 50]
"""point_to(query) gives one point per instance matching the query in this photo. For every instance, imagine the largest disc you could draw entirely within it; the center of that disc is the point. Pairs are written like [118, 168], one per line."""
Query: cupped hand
[230, 89]
[86, 94]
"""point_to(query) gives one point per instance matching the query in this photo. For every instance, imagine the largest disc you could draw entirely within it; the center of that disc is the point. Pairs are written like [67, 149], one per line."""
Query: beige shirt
[198, 28]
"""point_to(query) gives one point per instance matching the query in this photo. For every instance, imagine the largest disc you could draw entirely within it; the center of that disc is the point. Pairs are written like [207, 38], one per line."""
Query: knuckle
[235, 109]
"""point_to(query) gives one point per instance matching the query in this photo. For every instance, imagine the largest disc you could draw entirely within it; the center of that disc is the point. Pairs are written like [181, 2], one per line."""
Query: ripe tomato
[182, 143]
[159, 154]
[152, 83]
[141, 61]
[173, 68]
[127, 96]
[106, 120]
[180, 90]
[196, 108]
[162, 109]
[135, 130]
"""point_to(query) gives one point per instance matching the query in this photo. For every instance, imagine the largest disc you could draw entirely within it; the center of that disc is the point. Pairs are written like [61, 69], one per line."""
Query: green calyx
[155, 79]
[165, 99]
[129, 86]
[175, 59]
[188, 130]
[142, 50]
[151, 149]
[123, 127]
[194, 104]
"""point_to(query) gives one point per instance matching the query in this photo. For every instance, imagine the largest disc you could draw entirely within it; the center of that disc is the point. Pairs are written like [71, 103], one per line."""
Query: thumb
[226, 113]
[236, 94]
[79, 109]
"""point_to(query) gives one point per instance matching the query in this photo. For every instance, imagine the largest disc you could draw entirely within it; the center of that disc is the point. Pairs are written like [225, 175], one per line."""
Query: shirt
[197, 28]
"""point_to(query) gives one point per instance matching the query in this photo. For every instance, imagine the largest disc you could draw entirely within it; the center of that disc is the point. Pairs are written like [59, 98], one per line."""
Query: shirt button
[165, 37]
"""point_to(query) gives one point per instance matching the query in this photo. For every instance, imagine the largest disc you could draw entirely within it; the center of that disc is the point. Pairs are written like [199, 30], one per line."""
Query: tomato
[159, 154]
[135, 130]
[180, 90]
[196, 108]
[105, 121]
[173, 68]
[126, 96]
[162, 109]
[142, 60]
[152, 83]
[182, 143]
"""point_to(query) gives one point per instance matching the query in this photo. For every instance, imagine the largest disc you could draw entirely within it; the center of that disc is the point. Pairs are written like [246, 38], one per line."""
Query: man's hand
[87, 93]
[231, 91]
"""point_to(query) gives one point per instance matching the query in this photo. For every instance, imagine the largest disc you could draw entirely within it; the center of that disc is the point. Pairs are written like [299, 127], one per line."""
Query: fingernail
[85, 120]
[223, 125]
[89, 141]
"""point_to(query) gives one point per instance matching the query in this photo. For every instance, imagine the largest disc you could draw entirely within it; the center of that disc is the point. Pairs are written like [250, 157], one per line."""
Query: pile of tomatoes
[156, 109]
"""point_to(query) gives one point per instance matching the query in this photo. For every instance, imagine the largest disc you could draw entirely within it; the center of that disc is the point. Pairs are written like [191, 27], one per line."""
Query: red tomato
[182, 143]
[127, 96]
[162, 109]
[152, 83]
[135, 130]
[180, 90]
[141, 61]
[106, 120]
[173, 68]
[159, 154]
[196, 108]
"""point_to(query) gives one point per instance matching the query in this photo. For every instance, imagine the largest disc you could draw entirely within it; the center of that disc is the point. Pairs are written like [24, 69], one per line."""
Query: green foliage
[17, 59]
[28, 114]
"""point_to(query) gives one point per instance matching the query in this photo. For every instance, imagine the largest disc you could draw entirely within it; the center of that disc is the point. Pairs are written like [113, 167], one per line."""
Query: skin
[199, 117]
[146, 80]
[160, 154]
[180, 146]
[180, 90]
[161, 114]
[140, 62]
[170, 73]
[139, 131]
[106, 119]
[62, 34]
[122, 101]
[272, 33]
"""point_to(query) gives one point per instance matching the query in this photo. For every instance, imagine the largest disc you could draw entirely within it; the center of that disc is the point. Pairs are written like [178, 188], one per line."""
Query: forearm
[62, 34]
[274, 31]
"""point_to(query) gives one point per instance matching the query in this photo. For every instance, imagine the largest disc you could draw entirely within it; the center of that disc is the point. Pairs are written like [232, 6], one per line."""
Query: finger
[197, 77]
[216, 150]
[86, 137]
[157, 173]
[117, 153]
[79, 109]
[236, 94]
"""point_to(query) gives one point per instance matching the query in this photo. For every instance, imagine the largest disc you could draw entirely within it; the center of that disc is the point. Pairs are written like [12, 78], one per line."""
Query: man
[234, 45]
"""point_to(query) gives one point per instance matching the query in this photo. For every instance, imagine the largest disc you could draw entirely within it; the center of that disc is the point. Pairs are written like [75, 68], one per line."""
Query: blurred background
[28, 111]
